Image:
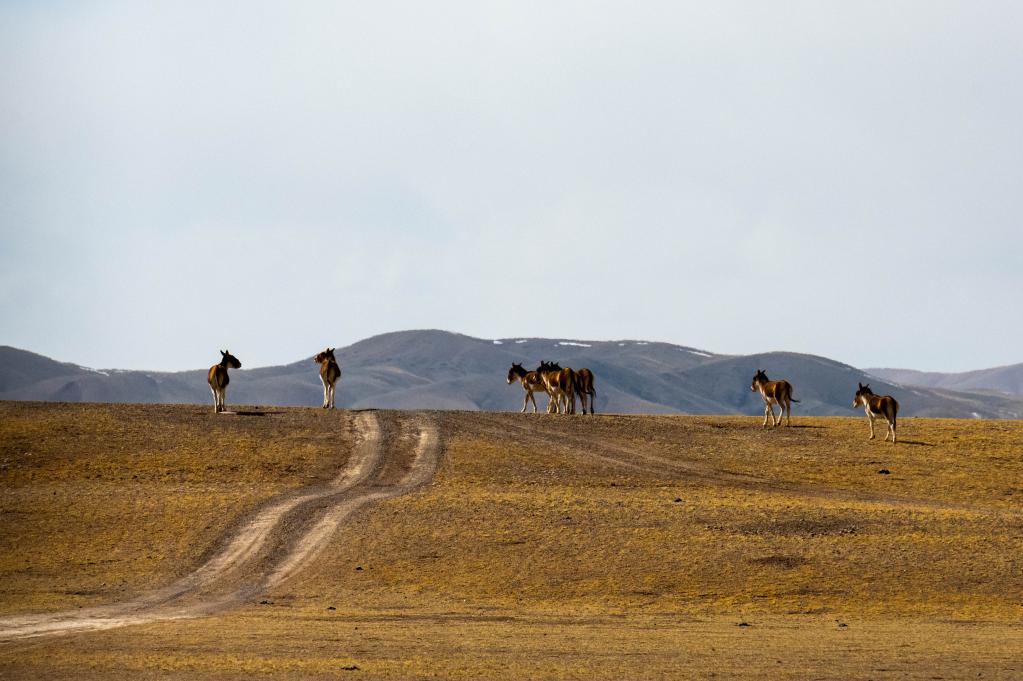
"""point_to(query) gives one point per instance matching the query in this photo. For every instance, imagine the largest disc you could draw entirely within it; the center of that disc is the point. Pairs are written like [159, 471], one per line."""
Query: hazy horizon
[839, 180]
[547, 354]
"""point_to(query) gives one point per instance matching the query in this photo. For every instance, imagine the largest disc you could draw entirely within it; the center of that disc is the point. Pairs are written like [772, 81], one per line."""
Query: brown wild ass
[531, 383]
[877, 405]
[218, 380]
[584, 388]
[560, 385]
[330, 371]
[774, 392]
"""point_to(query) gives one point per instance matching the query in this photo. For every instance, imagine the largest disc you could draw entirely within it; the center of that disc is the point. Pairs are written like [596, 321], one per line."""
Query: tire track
[249, 560]
[634, 459]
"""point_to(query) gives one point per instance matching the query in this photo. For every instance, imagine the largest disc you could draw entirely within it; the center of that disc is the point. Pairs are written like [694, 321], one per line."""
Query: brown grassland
[612, 546]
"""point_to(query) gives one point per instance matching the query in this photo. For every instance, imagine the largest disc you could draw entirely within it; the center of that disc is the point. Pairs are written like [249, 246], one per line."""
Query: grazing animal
[877, 405]
[531, 383]
[584, 388]
[218, 379]
[774, 392]
[330, 372]
[560, 384]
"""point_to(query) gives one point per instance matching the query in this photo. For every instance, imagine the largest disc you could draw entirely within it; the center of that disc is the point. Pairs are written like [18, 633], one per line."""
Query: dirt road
[271, 545]
[607, 547]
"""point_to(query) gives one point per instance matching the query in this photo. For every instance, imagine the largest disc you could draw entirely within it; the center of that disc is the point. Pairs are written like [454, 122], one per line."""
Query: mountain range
[1005, 379]
[431, 369]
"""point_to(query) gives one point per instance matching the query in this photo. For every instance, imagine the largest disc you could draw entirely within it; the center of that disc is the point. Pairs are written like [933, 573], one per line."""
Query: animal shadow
[917, 443]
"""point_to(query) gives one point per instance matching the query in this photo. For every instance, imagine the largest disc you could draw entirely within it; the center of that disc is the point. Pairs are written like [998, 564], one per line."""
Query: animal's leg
[871, 419]
[767, 407]
[893, 431]
[332, 388]
[531, 399]
[788, 414]
[216, 403]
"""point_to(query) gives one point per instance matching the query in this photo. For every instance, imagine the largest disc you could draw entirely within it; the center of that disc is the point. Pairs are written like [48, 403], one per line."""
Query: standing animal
[877, 405]
[330, 372]
[774, 392]
[218, 379]
[584, 388]
[560, 384]
[531, 383]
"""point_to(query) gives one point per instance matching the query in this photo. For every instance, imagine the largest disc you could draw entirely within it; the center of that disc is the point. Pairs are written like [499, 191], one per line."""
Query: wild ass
[774, 392]
[584, 388]
[218, 379]
[330, 372]
[531, 383]
[877, 405]
[560, 384]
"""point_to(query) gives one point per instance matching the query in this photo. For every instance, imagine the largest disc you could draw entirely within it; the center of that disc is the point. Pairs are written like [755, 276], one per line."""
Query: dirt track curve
[274, 543]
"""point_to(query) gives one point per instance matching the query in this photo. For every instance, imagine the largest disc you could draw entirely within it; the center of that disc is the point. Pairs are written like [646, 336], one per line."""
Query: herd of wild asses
[562, 385]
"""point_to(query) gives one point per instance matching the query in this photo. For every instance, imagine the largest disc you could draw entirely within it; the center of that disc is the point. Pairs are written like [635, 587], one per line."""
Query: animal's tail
[794, 399]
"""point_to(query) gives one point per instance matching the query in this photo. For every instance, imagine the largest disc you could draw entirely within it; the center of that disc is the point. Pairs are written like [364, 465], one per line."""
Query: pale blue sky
[842, 179]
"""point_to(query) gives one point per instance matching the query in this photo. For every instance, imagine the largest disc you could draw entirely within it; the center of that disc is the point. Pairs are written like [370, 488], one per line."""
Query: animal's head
[862, 393]
[759, 379]
[515, 371]
[323, 356]
[229, 360]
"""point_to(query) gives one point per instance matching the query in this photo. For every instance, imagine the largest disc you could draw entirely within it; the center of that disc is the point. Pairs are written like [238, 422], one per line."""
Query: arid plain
[154, 541]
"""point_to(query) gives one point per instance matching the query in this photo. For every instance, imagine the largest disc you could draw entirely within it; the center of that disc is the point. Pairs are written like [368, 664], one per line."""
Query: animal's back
[217, 376]
[330, 371]
[584, 380]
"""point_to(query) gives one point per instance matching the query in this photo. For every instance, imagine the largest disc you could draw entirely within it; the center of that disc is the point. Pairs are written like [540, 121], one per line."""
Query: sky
[842, 179]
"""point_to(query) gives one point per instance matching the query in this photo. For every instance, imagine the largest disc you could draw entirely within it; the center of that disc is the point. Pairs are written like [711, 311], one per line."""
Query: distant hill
[442, 370]
[1007, 379]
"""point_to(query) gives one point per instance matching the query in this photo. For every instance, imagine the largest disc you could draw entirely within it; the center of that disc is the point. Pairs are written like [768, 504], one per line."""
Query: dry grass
[100, 501]
[627, 547]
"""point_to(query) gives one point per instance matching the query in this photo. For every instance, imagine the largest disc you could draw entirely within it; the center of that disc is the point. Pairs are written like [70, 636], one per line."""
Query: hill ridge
[437, 369]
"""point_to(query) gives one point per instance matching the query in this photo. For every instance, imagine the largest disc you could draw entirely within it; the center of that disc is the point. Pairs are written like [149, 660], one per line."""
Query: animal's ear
[861, 385]
[223, 353]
